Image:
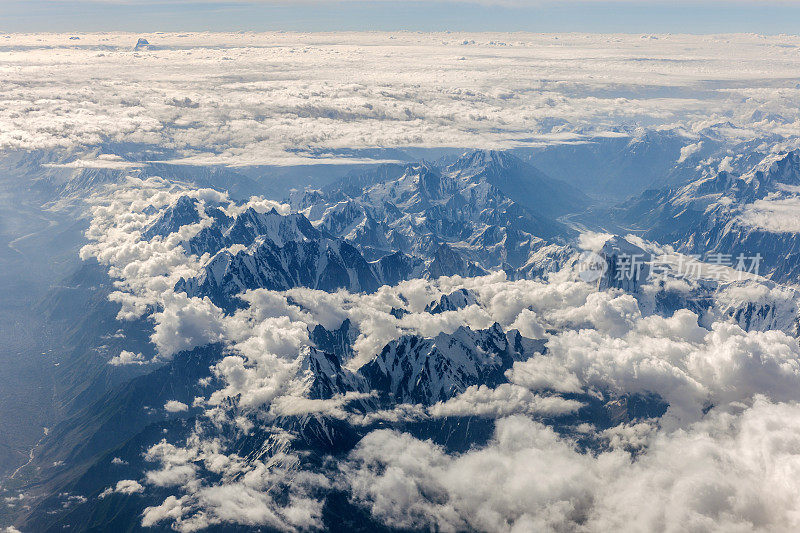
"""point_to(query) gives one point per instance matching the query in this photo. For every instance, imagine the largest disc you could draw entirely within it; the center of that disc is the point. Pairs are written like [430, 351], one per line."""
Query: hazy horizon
[600, 16]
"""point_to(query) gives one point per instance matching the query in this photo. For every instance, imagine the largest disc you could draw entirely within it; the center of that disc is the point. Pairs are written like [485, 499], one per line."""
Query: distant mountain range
[380, 229]
[488, 207]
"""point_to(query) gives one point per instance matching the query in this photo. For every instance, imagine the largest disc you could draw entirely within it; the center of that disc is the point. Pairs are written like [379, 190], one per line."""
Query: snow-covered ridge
[729, 213]
[427, 222]
[665, 281]
[466, 206]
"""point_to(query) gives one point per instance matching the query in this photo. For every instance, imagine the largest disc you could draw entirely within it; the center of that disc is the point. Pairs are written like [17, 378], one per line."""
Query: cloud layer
[730, 472]
[284, 98]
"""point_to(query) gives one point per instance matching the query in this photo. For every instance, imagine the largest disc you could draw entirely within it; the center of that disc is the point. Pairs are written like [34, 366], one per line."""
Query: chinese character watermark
[640, 267]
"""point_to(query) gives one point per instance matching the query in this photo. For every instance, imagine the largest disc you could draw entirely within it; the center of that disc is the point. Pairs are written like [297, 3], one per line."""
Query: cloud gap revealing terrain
[399, 282]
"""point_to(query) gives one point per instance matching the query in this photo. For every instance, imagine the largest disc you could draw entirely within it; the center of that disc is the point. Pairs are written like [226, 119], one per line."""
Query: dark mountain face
[338, 342]
[279, 252]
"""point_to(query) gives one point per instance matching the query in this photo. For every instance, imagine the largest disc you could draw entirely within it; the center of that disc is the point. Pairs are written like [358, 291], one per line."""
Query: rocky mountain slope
[728, 213]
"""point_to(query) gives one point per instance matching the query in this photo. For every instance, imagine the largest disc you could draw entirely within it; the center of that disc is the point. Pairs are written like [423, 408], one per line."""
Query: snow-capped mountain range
[488, 207]
[272, 282]
[425, 223]
[425, 371]
[432, 299]
[724, 212]
[666, 281]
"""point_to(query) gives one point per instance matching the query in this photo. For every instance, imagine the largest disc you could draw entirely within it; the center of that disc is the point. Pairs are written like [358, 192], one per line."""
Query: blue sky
[710, 16]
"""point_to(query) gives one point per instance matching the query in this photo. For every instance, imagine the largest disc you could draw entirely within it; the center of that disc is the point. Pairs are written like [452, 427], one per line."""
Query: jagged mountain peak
[767, 175]
[479, 160]
[419, 370]
[523, 183]
[780, 167]
[278, 228]
[327, 376]
[182, 212]
[451, 302]
[419, 187]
